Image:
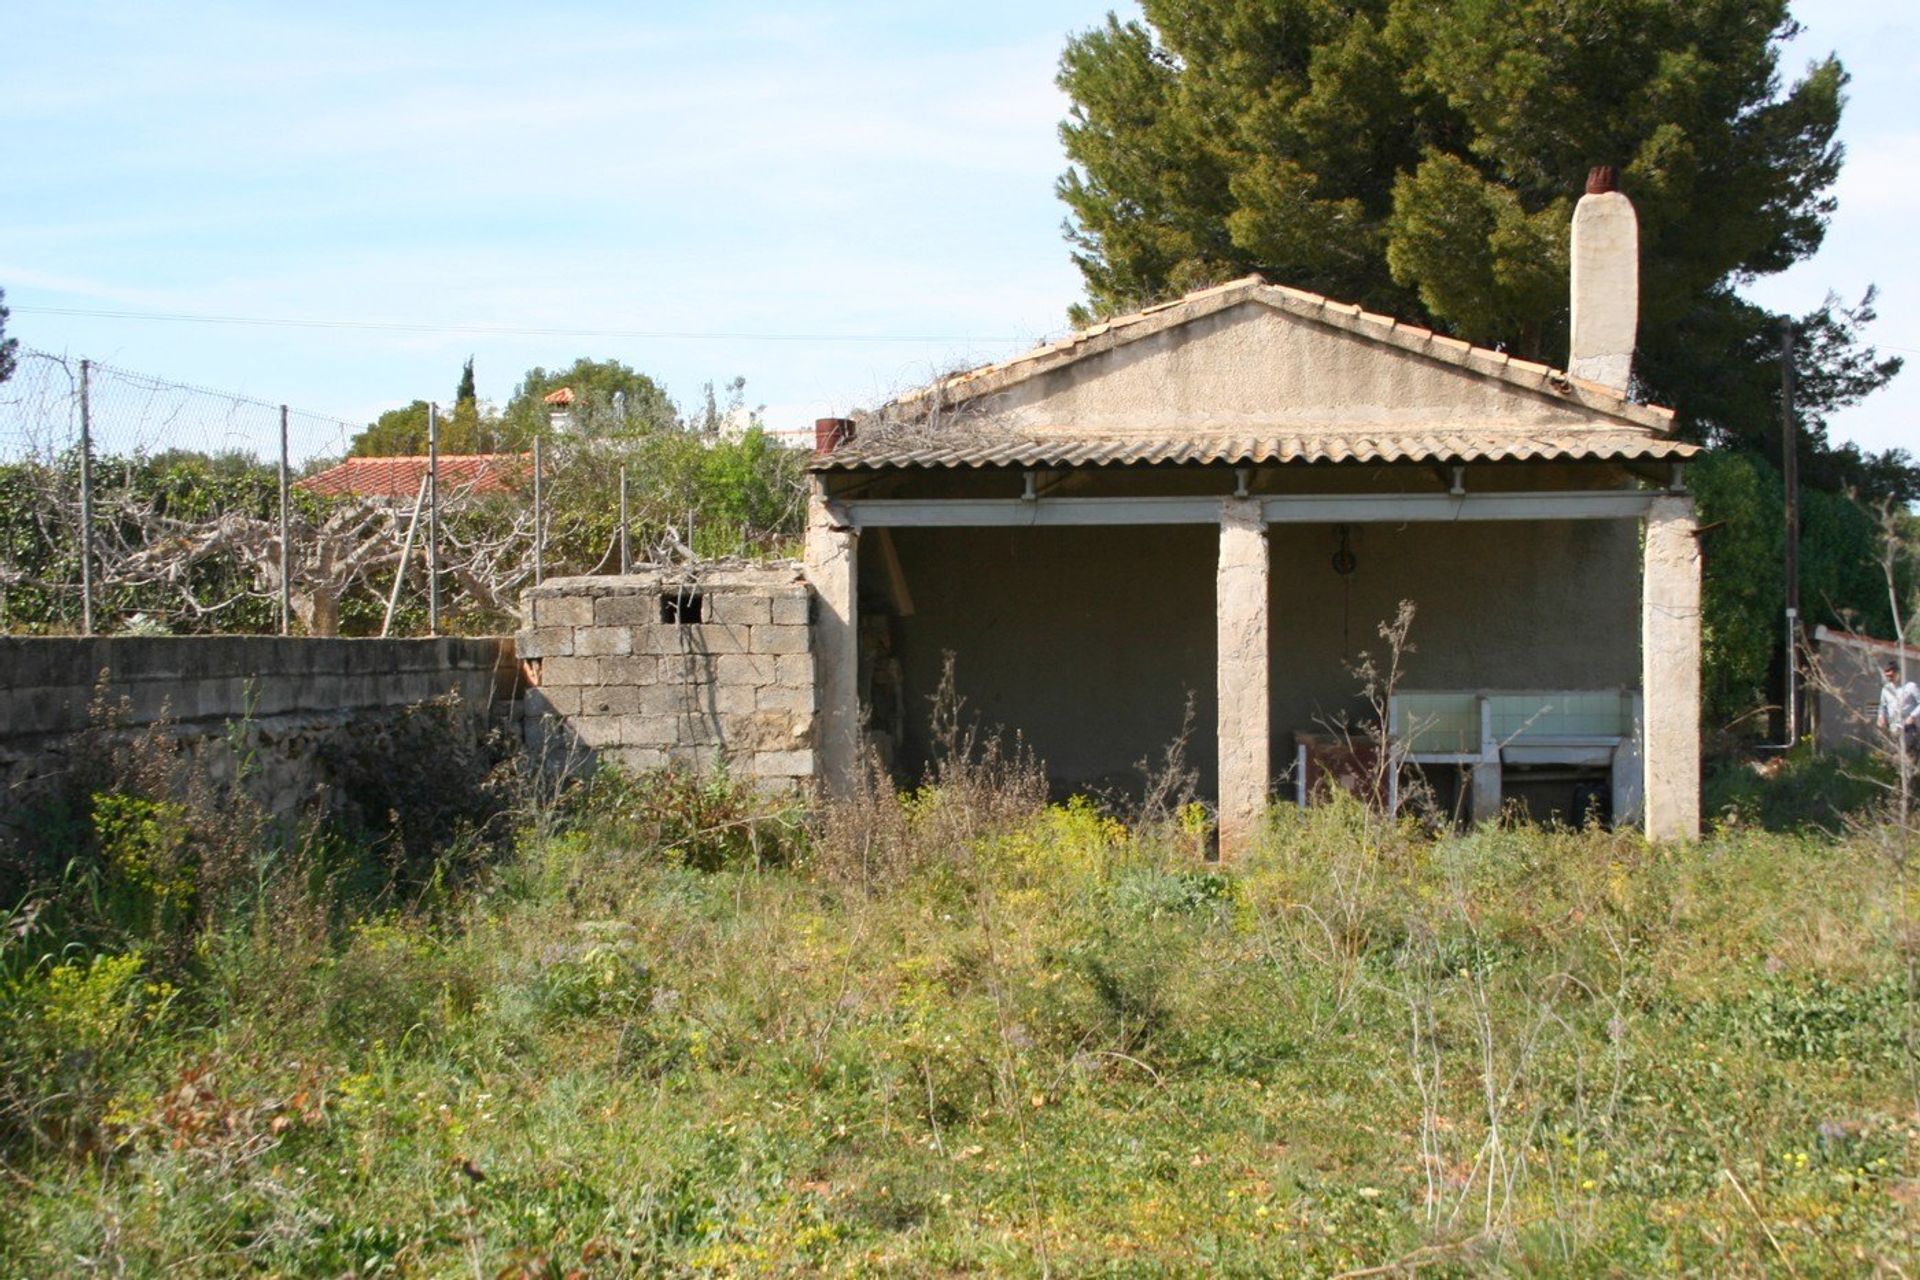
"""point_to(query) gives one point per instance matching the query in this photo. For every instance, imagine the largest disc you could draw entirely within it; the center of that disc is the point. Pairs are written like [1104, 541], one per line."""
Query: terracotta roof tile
[399, 476]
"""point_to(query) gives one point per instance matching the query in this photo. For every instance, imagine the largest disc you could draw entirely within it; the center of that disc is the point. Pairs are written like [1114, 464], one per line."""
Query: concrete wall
[1250, 366]
[1844, 689]
[48, 684]
[275, 699]
[617, 671]
[1499, 605]
[1088, 641]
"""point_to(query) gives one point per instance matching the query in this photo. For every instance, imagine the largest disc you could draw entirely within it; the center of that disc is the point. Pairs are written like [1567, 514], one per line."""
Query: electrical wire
[396, 326]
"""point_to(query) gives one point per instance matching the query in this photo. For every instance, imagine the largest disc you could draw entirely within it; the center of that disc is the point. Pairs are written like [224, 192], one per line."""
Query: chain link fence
[131, 503]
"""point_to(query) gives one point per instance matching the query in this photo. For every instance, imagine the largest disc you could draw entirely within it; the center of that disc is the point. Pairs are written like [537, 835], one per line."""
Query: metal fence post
[86, 498]
[626, 556]
[539, 517]
[433, 519]
[286, 539]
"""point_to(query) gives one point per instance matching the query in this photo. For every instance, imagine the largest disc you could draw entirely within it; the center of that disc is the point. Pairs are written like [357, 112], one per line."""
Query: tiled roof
[399, 476]
[924, 448]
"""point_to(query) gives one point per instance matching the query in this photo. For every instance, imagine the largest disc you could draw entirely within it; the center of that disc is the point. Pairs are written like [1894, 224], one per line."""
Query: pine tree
[465, 393]
[1422, 158]
[8, 346]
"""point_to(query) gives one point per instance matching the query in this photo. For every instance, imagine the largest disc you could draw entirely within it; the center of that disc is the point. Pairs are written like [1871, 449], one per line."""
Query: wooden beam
[1343, 508]
[896, 578]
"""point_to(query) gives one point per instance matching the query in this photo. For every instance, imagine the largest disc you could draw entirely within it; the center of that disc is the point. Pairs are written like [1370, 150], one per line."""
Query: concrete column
[1240, 607]
[1670, 670]
[832, 568]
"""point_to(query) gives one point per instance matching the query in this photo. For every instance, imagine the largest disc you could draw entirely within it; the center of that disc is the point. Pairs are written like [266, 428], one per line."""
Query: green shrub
[70, 1034]
[419, 788]
[707, 823]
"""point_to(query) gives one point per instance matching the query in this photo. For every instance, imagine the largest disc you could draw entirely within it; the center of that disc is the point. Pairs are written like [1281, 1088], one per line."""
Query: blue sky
[821, 175]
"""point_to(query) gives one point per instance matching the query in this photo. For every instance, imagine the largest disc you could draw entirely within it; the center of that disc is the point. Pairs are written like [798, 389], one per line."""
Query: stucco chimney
[1606, 283]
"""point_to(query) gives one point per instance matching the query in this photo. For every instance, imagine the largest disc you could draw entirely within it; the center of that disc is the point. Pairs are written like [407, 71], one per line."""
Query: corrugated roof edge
[1384, 447]
[1853, 637]
[1119, 330]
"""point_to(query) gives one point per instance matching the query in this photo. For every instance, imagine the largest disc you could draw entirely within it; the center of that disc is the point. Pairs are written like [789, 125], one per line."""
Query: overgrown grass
[956, 1030]
[1802, 790]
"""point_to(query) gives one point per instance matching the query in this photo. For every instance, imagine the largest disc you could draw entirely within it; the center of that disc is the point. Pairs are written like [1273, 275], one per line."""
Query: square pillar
[1240, 609]
[1670, 670]
[832, 569]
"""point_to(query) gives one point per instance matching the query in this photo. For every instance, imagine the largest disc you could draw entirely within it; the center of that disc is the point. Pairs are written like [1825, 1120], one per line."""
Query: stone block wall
[699, 667]
[273, 700]
[49, 683]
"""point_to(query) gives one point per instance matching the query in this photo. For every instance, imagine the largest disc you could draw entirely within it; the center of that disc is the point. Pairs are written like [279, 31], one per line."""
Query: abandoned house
[1216, 502]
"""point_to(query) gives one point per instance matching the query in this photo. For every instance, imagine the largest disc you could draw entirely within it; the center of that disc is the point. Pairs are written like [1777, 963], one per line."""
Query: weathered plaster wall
[1499, 604]
[274, 700]
[1670, 669]
[832, 567]
[1250, 365]
[617, 670]
[1086, 640]
[1242, 592]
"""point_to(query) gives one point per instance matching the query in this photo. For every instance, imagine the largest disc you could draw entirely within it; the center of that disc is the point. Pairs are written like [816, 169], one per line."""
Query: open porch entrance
[1084, 609]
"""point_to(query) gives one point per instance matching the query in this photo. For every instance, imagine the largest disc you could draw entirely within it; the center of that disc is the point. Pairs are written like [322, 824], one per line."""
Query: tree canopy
[609, 399]
[7, 345]
[467, 428]
[1422, 158]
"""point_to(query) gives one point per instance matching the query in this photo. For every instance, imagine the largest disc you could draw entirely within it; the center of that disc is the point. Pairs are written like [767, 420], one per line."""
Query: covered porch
[1089, 605]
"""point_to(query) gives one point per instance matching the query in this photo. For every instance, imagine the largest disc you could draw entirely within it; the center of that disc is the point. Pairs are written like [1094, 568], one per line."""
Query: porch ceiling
[909, 448]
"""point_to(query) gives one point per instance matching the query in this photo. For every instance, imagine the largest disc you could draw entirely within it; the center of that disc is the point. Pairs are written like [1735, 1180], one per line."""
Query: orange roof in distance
[400, 476]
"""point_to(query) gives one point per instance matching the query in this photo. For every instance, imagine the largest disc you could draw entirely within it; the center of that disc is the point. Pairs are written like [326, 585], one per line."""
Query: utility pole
[86, 498]
[539, 518]
[1790, 474]
[626, 557]
[433, 519]
[286, 540]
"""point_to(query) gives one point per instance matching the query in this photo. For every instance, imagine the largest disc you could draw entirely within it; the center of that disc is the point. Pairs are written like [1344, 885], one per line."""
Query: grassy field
[961, 1031]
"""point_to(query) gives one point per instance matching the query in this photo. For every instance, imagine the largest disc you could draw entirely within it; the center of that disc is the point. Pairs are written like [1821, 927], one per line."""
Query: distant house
[398, 479]
[1845, 691]
[559, 409]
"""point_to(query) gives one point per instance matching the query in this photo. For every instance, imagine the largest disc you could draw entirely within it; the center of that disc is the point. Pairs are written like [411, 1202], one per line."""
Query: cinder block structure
[708, 667]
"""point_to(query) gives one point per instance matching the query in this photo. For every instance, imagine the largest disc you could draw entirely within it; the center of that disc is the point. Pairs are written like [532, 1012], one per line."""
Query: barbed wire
[141, 414]
[176, 516]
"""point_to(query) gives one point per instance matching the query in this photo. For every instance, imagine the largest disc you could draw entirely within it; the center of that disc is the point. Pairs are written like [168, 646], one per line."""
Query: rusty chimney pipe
[830, 433]
[1601, 179]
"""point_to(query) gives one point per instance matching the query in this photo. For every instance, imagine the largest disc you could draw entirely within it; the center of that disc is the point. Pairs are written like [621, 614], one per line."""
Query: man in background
[1900, 709]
